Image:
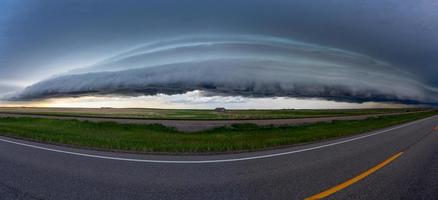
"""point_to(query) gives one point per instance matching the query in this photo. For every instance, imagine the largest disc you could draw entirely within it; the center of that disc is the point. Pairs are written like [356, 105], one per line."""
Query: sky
[162, 53]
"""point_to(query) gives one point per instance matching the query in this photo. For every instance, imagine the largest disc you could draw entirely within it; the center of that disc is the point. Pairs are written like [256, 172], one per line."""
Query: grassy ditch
[157, 138]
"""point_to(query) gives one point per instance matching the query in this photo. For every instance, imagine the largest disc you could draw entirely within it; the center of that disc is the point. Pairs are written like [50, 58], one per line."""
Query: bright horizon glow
[195, 100]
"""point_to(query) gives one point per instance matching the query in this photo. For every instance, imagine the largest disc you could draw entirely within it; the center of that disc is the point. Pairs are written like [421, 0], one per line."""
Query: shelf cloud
[239, 65]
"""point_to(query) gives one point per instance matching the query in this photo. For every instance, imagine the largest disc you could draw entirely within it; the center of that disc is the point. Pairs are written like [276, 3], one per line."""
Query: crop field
[187, 114]
[158, 138]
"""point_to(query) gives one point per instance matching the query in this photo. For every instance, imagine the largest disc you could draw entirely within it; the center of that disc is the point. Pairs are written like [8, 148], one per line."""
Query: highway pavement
[395, 163]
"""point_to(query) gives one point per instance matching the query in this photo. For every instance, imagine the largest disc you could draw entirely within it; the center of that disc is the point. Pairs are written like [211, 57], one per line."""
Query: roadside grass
[158, 138]
[191, 114]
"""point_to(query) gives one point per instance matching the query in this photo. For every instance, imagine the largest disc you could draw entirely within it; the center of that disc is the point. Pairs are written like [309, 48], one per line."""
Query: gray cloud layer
[240, 65]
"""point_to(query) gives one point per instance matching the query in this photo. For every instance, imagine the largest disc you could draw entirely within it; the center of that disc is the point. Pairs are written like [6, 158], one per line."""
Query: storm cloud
[244, 65]
[350, 51]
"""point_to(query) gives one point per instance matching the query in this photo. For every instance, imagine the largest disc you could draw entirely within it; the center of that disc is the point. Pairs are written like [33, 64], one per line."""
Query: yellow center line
[353, 180]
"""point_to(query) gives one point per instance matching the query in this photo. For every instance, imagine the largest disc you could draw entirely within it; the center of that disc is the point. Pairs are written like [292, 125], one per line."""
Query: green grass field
[157, 138]
[144, 113]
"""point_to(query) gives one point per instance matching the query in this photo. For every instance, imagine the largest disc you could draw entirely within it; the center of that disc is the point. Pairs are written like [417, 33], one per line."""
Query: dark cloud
[40, 39]
[240, 65]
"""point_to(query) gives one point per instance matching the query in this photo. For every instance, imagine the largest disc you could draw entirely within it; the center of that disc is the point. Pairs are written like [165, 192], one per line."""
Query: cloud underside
[242, 66]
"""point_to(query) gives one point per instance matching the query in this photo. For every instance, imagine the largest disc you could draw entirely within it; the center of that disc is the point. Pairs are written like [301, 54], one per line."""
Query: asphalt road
[396, 163]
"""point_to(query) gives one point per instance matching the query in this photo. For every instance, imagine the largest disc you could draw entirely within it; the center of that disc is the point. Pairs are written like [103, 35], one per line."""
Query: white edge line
[212, 161]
